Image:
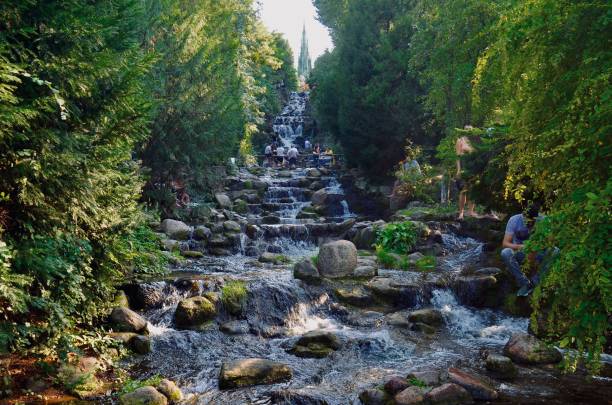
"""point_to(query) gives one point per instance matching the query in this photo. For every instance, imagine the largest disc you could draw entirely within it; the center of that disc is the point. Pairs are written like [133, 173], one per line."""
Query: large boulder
[316, 344]
[248, 372]
[192, 313]
[356, 296]
[202, 233]
[146, 395]
[231, 226]
[478, 388]
[448, 394]
[224, 201]
[365, 238]
[126, 320]
[319, 197]
[527, 349]
[501, 367]
[374, 396]
[306, 271]
[176, 229]
[141, 344]
[337, 259]
[431, 317]
[396, 384]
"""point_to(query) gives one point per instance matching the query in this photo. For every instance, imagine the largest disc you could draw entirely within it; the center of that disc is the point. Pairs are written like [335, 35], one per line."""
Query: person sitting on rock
[517, 232]
[268, 153]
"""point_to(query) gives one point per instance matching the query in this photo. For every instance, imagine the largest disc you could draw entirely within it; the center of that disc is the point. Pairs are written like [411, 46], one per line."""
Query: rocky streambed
[279, 300]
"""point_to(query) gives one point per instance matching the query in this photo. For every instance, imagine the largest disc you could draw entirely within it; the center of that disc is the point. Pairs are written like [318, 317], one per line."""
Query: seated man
[517, 232]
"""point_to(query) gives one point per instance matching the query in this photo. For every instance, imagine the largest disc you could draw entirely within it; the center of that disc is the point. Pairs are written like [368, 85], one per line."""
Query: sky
[288, 17]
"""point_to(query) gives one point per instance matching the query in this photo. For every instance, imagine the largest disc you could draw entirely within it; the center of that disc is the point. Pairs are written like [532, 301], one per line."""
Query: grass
[132, 385]
[234, 293]
[385, 258]
[315, 260]
[427, 263]
[417, 383]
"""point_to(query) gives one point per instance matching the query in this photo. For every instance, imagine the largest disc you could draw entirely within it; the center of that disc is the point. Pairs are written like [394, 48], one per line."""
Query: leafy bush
[385, 258]
[398, 237]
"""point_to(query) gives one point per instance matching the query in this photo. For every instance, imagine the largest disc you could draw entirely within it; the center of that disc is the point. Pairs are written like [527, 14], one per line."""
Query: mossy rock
[195, 312]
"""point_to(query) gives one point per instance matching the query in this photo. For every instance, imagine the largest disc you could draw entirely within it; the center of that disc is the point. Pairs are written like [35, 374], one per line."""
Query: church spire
[304, 63]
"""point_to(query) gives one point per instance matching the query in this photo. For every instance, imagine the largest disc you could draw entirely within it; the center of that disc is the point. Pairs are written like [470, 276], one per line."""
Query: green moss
[132, 385]
[417, 383]
[233, 296]
[315, 260]
[427, 263]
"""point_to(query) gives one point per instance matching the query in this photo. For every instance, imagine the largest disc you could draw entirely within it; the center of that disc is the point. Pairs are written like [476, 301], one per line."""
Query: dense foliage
[533, 79]
[86, 88]
[398, 237]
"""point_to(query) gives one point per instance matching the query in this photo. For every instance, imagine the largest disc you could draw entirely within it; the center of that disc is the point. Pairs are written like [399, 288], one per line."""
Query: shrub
[398, 237]
[426, 263]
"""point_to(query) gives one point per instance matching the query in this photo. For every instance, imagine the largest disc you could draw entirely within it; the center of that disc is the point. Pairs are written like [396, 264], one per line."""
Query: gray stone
[223, 200]
[473, 384]
[337, 259]
[356, 296]
[141, 344]
[170, 390]
[431, 317]
[319, 197]
[231, 226]
[271, 220]
[365, 271]
[170, 245]
[305, 270]
[526, 349]
[316, 344]
[313, 173]
[146, 395]
[448, 394]
[398, 319]
[267, 257]
[411, 395]
[235, 327]
[126, 320]
[194, 312]
[192, 254]
[248, 372]
[175, 229]
[202, 233]
[501, 367]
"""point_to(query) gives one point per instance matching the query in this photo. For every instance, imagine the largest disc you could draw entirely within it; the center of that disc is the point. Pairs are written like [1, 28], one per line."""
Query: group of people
[280, 156]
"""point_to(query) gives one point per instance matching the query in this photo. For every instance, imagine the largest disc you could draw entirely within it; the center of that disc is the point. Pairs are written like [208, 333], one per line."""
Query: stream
[281, 308]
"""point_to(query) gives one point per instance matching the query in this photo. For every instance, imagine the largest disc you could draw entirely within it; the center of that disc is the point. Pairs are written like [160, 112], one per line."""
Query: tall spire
[304, 63]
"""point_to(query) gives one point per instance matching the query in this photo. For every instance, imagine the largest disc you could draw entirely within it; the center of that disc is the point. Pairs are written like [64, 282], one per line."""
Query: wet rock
[224, 201]
[252, 251]
[176, 229]
[123, 337]
[398, 319]
[248, 372]
[192, 254]
[488, 271]
[253, 231]
[431, 377]
[423, 327]
[126, 320]
[170, 245]
[170, 390]
[194, 312]
[477, 290]
[146, 295]
[313, 173]
[274, 249]
[431, 317]
[448, 394]
[235, 327]
[316, 185]
[395, 385]
[202, 233]
[356, 296]
[267, 257]
[337, 259]
[141, 344]
[365, 319]
[305, 270]
[473, 384]
[501, 367]
[319, 197]
[365, 271]
[219, 241]
[146, 395]
[316, 344]
[271, 220]
[526, 349]
[411, 395]
[296, 397]
[398, 293]
[217, 251]
[231, 226]
[373, 397]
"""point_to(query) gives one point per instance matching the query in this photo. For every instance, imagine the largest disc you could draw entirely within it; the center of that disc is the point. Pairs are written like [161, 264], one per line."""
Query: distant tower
[304, 63]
